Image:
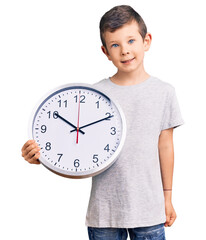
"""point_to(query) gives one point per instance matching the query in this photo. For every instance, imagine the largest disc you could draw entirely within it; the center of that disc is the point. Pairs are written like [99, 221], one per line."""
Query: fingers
[30, 152]
[34, 159]
[167, 221]
[170, 220]
[27, 144]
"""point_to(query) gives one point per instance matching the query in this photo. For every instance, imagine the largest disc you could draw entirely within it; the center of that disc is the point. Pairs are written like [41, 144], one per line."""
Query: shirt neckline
[130, 86]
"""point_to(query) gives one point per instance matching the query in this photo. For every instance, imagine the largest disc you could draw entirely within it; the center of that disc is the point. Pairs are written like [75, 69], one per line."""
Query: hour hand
[66, 121]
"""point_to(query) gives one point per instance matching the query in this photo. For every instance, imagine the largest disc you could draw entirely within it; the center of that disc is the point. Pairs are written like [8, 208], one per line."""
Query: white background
[44, 44]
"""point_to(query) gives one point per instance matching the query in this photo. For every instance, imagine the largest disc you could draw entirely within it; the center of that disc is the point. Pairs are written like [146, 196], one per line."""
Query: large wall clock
[80, 130]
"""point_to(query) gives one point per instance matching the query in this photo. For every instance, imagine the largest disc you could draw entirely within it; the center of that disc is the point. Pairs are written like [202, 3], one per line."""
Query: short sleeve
[172, 117]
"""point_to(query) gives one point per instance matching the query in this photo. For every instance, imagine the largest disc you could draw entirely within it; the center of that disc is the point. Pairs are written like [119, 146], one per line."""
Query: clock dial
[79, 129]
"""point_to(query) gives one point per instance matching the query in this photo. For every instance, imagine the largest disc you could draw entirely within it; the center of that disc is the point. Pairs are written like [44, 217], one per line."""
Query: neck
[130, 78]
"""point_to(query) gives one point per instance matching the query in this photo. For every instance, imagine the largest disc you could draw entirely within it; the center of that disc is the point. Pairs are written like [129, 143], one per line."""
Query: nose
[124, 51]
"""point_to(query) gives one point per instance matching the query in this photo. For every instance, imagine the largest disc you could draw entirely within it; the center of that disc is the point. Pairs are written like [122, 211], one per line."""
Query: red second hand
[78, 119]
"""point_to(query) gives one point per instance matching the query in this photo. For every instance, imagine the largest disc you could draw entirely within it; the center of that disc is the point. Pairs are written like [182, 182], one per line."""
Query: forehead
[127, 30]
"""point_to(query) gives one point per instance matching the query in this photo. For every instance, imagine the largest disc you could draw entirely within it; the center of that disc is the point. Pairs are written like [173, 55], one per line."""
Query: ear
[147, 41]
[104, 50]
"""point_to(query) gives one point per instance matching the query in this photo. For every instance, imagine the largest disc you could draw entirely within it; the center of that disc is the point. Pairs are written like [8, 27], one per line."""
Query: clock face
[79, 129]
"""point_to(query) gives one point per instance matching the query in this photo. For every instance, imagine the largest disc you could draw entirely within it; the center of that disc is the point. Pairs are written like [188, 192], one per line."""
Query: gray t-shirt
[130, 194]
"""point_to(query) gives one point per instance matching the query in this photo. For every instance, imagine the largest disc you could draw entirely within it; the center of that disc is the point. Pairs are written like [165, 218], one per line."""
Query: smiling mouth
[127, 61]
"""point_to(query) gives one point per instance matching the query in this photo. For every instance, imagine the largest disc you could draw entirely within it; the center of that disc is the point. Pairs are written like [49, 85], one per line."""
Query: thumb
[167, 221]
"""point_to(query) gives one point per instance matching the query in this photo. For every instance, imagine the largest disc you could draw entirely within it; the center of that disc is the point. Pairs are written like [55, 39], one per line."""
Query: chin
[129, 69]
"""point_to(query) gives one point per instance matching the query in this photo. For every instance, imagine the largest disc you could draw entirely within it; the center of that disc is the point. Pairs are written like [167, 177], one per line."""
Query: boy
[134, 195]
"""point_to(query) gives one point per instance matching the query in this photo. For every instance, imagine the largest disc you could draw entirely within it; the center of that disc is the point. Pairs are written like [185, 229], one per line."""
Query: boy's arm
[166, 156]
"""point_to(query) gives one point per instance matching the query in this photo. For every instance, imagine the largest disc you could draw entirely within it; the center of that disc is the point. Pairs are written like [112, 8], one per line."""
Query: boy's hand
[170, 214]
[30, 152]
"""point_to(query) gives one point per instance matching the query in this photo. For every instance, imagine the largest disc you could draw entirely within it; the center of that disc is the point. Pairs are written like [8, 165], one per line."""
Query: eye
[115, 45]
[131, 41]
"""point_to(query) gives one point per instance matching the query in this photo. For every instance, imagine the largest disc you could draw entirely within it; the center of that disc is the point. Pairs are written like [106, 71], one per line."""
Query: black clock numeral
[60, 156]
[97, 104]
[54, 114]
[43, 128]
[113, 131]
[82, 98]
[63, 103]
[76, 163]
[109, 114]
[48, 146]
[107, 148]
[95, 158]
[49, 114]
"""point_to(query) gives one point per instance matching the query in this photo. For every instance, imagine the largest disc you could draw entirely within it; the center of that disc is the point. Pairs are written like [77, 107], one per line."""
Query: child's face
[125, 47]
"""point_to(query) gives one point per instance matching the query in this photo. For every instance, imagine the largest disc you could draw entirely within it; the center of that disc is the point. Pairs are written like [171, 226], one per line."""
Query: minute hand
[93, 122]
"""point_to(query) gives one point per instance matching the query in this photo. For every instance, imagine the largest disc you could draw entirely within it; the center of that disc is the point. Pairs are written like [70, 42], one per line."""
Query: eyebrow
[117, 40]
[112, 41]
